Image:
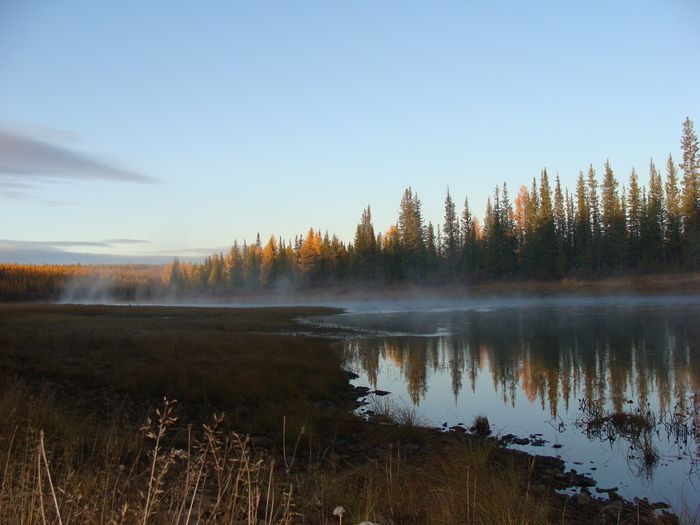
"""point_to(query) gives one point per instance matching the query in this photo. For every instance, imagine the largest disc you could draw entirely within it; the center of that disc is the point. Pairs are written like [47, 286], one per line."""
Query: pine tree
[613, 234]
[509, 246]
[570, 229]
[594, 210]
[560, 230]
[530, 243]
[469, 241]
[450, 245]
[268, 263]
[431, 250]
[410, 225]
[654, 220]
[252, 256]
[635, 214]
[582, 227]
[690, 196]
[174, 276]
[309, 256]
[234, 267]
[673, 226]
[392, 266]
[491, 235]
[546, 231]
[520, 215]
[365, 247]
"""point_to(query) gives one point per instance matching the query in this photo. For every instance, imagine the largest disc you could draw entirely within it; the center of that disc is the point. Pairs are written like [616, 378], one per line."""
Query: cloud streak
[57, 252]
[24, 159]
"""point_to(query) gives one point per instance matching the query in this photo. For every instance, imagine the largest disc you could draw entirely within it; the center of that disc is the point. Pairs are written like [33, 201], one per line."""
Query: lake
[609, 385]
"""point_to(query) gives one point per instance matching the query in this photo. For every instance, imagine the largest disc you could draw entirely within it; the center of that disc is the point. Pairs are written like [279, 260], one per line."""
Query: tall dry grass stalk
[49, 478]
[458, 484]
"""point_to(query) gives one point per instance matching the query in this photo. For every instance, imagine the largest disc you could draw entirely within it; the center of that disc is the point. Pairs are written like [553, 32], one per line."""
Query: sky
[136, 131]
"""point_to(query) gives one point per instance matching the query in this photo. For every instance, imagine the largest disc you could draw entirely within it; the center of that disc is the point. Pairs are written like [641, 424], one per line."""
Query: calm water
[556, 373]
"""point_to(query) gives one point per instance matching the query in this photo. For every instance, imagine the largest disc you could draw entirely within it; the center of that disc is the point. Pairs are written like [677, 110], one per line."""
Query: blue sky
[141, 131]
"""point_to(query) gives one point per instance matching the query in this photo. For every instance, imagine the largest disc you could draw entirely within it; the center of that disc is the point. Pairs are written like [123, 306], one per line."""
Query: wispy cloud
[64, 252]
[27, 160]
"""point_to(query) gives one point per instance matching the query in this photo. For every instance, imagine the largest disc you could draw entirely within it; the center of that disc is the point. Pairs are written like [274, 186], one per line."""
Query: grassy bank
[261, 433]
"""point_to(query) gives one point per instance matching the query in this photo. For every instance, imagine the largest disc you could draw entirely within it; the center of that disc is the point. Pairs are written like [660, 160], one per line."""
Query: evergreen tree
[546, 230]
[570, 228]
[469, 241]
[613, 234]
[392, 266]
[338, 255]
[500, 242]
[560, 230]
[431, 250]
[365, 247]
[509, 246]
[672, 235]
[234, 267]
[216, 274]
[654, 220]
[450, 245]
[635, 214]
[268, 263]
[174, 279]
[520, 214]
[252, 256]
[594, 210]
[309, 256]
[530, 243]
[690, 196]
[582, 227]
[410, 226]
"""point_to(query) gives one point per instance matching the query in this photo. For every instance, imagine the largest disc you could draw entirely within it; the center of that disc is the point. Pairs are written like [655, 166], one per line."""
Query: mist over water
[567, 375]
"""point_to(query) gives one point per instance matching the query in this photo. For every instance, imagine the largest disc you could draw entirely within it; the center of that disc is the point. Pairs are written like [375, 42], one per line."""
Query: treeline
[600, 228]
[545, 232]
[80, 282]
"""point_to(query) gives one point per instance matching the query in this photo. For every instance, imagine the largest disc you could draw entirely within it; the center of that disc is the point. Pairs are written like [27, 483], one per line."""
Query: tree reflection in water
[596, 361]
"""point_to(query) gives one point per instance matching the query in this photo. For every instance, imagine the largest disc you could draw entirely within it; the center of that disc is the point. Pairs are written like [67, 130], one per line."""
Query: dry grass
[115, 475]
[86, 436]
[457, 483]
[237, 360]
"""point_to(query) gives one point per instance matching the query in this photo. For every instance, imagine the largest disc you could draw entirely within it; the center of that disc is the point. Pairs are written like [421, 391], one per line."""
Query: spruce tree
[469, 241]
[594, 210]
[365, 247]
[613, 234]
[560, 230]
[673, 225]
[268, 263]
[654, 220]
[635, 214]
[410, 225]
[450, 238]
[546, 231]
[690, 196]
[234, 266]
[582, 227]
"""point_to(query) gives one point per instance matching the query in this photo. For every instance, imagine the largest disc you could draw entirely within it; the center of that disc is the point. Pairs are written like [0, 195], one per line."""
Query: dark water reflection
[566, 372]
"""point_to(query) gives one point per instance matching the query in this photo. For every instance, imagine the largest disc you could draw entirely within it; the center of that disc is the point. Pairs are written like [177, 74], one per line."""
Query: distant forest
[544, 232]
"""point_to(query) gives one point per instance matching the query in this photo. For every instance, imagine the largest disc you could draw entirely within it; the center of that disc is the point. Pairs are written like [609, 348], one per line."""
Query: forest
[545, 232]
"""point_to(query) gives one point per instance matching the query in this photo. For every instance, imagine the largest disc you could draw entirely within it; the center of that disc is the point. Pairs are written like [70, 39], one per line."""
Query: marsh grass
[135, 477]
[89, 434]
[396, 420]
[458, 483]
[243, 361]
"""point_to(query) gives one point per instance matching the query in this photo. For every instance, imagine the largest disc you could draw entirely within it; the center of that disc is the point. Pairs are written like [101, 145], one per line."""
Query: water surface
[610, 386]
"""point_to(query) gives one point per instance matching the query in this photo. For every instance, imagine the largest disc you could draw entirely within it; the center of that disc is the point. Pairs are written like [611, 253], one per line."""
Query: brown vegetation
[86, 437]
